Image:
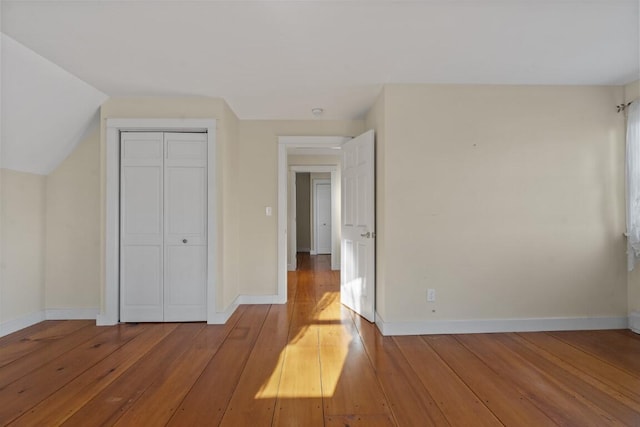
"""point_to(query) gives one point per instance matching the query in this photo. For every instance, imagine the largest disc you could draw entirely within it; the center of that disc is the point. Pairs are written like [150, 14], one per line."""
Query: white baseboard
[104, 320]
[634, 322]
[291, 267]
[221, 317]
[259, 299]
[313, 252]
[71, 313]
[432, 327]
[10, 326]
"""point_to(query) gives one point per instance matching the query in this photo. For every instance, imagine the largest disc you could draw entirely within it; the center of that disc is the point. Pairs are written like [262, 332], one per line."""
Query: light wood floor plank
[58, 407]
[577, 399]
[300, 392]
[507, 402]
[121, 395]
[209, 397]
[161, 400]
[359, 421]
[621, 350]
[44, 354]
[457, 402]
[35, 338]
[410, 402]
[20, 395]
[349, 383]
[254, 398]
[607, 377]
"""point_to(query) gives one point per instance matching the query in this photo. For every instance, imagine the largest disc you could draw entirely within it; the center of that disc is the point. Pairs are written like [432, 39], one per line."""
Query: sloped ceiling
[279, 59]
[45, 110]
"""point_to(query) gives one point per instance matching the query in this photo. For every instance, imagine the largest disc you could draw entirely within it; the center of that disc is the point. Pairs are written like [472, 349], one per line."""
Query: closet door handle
[184, 240]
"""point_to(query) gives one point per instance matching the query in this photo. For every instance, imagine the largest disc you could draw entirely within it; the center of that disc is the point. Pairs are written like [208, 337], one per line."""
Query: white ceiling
[279, 59]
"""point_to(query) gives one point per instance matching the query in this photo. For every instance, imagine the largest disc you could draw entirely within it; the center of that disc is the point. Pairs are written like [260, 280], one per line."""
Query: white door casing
[285, 143]
[357, 276]
[322, 216]
[163, 254]
[110, 297]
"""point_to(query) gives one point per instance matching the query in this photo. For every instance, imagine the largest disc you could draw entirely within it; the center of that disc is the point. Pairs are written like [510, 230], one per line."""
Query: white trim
[110, 297]
[634, 322]
[221, 317]
[313, 252]
[429, 327]
[10, 326]
[258, 299]
[313, 141]
[314, 168]
[71, 313]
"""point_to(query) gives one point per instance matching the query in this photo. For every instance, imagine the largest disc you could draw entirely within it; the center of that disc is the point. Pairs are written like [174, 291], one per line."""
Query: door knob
[367, 234]
[184, 240]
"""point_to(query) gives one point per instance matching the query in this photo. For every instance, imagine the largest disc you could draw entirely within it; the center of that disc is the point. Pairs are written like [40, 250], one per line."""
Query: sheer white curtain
[633, 183]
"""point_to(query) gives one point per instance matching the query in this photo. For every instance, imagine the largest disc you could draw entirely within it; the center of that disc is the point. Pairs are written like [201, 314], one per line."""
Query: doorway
[357, 222]
[110, 313]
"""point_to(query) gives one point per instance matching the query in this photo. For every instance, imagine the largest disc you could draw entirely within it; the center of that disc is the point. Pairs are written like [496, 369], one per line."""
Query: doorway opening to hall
[314, 219]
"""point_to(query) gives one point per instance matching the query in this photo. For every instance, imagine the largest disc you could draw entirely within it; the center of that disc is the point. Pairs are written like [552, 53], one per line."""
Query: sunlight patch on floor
[299, 372]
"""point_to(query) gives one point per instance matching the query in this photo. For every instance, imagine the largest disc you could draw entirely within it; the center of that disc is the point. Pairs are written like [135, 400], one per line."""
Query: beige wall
[632, 91]
[228, 223]
[23, 244]
[226, 166]
[509, 201]
[73, 229]
[258, 187]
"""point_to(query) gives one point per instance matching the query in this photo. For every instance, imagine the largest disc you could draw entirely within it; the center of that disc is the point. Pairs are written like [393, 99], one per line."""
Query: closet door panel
[186, 273]
[185, 237]
[143, 273]
[141, 227]
[142, 204]
[186, 191]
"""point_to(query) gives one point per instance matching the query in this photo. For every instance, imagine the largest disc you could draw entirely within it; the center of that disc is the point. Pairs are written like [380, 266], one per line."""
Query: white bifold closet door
[163, 227]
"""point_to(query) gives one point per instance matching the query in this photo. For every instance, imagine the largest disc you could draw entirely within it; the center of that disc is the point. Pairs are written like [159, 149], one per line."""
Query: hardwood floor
[311, 362]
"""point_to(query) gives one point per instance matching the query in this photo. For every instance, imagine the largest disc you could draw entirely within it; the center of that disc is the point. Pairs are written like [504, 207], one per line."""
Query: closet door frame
[110, 311]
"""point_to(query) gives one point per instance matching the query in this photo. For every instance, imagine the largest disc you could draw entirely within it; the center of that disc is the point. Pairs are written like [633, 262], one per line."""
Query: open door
[357, 277]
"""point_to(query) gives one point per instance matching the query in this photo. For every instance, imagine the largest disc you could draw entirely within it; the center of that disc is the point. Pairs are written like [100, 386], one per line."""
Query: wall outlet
[431, 295]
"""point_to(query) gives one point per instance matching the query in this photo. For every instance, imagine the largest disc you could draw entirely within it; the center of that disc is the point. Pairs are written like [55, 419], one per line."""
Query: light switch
[267, 210]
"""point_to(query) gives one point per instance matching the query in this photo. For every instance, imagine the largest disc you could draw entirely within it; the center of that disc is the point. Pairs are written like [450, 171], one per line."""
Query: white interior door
[322, 203]
[141, 227]
[357, 277]
[163, 254]
[185, 236]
